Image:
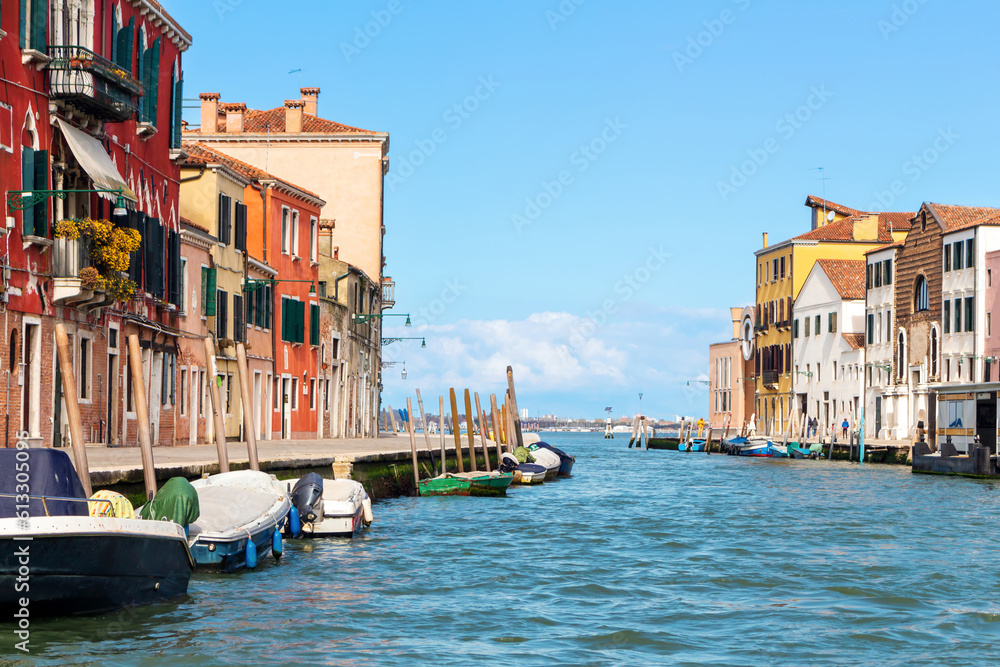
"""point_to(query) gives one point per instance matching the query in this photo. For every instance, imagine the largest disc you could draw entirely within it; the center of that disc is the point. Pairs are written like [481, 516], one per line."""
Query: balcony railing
[93, 83]
[388, 293]
[769, 378]
[69, 258]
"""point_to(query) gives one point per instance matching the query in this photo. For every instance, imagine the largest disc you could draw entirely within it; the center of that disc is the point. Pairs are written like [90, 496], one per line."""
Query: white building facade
[829, 351]
[885, 400]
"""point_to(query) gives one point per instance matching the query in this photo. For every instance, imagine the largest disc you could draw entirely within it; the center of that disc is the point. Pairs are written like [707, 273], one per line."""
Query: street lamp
[390, 341]
[361, 319]
[253, 284]
[24, 199]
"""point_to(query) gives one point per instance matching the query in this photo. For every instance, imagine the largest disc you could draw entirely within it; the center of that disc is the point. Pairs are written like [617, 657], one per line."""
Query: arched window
[921, 299]
[901, 357]
[934, 352]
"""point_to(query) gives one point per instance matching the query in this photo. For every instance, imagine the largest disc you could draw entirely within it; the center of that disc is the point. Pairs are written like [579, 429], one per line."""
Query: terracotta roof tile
[843, 230]
[884, 247]
[847, 276]
[199, 154]
[953, 218]
[819, 202]
[273, 121]
[855, 340]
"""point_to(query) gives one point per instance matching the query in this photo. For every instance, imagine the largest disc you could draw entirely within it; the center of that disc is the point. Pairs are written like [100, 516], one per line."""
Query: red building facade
[91, 102]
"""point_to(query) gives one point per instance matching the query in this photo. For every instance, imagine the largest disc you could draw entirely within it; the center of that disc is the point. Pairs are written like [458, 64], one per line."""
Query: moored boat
[328, 507]
[547, 458]
[241, 517]
[757, 446]
[466, 484]
[692, 445]
[65, 561]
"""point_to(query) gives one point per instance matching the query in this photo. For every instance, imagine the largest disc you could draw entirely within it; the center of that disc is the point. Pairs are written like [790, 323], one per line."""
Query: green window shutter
[204, 288]
[126, 46]
[269, 307]
[285, 333]
[39, 24]
[41, 210]
[302, 323]
[178, 111]
[28, 184]
[314, 325]
[153, 93]
[210, 293]
[24, 25]
[114, 35]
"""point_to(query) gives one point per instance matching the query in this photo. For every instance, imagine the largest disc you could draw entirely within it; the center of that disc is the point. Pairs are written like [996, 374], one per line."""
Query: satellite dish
[830, 216]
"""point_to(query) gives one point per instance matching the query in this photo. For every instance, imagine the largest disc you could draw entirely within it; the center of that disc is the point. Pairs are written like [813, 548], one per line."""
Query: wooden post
[456, 431]
[248, 427]
[496, 424]
[73, 411]
[511, 428]
[444, 455]
[413, 446]
[482, 432]
[142, 415]
[645, 431]
[513, 407]
[708, 437]
[680, 437]
[635, 430]
[392, 416]
[213, 391]
[471, 431]
[725, 436]
[427, 437]
[503, 425]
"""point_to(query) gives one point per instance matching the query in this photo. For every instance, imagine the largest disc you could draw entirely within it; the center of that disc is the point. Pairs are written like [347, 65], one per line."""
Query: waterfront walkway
[123, 465]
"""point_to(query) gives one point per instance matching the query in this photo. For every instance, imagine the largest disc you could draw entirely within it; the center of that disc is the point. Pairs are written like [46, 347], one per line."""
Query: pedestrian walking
[846, 425]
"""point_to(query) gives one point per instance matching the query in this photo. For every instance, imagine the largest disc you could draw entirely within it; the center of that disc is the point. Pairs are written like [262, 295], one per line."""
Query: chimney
[737, 316]
[234, 117]
[311, 97]
[765, 239]
[210, 112]
[293, 116]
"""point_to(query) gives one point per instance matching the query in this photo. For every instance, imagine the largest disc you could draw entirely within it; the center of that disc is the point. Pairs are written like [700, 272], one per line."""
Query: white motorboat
[328, 507]
[241, 516]
[547, 458]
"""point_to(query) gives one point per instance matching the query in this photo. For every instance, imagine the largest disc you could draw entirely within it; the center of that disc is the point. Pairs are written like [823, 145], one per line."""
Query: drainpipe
[194, 178]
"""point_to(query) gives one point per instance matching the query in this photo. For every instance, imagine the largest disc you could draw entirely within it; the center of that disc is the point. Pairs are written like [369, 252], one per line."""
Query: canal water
[643, 557]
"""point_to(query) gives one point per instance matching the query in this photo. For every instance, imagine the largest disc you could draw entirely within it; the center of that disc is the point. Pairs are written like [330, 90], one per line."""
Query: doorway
[285, 408]
[986, 420]
[878, 416]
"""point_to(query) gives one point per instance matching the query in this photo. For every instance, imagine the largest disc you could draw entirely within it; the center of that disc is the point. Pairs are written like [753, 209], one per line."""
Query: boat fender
[294, 524]
[366, 506]
[277, 546]
[251, 554]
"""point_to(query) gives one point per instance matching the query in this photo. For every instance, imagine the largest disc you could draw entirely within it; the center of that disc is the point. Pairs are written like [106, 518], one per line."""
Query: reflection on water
[644, 557]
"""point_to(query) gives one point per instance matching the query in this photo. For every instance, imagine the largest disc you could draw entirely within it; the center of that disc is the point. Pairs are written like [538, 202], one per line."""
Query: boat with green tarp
[466, 484]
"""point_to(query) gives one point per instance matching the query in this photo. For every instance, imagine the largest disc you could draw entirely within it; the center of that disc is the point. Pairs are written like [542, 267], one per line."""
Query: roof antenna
[824, 179]
[299, 72]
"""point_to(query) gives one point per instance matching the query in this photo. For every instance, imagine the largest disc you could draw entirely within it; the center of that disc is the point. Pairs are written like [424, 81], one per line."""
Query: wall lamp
[25, 199]
[390, 341]
[361, 319]
[252, 284]
[808, 374]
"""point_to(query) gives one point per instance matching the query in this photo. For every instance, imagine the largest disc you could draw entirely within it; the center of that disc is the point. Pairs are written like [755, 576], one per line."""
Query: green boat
[466, 484]
[664, 443]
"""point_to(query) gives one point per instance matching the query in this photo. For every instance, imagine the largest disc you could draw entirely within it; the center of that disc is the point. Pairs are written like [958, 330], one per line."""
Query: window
[947, 316]
[202, 388]
[877, 275]
[970, 313]
[239, 323]
[335, 349]
[958, 316]
[314, 240]
[817, 324]
[970, 253]
[947, 257]
[887, 272]
[832, 323]
[293, 320]
[314, 324]
[85, 359]
[774, 269]
[267, 316]
[182, 299]
[241, 226]
[164, 379]
[286, 235]
[34, 24]
[808, 322]
[225, 219]
[183, 383]
[888, 326]
[222, 314]
[229, 393]
[934, 351]
[921, 297]
[35, 176]
[149, 65]
[208, 293]
[868, 276]
[295, 393]
[782, 268]
[295, 233]
[901, 358]
[312, 393]
[989, 277]
[871, 328]
[795, 329]
[176, 108]
[326, 395]
[956, 259]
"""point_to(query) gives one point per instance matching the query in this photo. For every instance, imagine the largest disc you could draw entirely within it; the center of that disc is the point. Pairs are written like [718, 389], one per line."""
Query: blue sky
[589, 210]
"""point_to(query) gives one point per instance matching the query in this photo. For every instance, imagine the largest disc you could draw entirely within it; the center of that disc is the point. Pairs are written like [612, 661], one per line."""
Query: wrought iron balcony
[769, 378]
[93, 83]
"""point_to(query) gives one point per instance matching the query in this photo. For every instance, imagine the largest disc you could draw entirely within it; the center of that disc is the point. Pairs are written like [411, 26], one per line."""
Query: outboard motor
[508, 462]
[307, 496]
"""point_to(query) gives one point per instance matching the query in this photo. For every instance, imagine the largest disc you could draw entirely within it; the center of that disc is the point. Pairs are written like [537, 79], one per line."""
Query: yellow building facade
[838, 232]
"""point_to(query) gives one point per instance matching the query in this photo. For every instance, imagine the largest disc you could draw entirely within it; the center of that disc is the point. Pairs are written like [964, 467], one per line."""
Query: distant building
[730, 372]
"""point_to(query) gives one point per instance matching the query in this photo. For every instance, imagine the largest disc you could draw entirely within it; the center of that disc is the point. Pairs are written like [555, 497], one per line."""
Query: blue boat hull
[231, 555]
